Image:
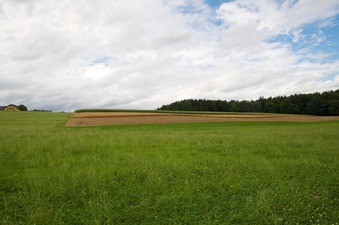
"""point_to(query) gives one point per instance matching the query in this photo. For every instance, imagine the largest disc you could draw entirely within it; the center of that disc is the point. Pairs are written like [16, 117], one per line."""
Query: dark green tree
[285, 106]
[317, 106]
[22, 108]
[333, 108]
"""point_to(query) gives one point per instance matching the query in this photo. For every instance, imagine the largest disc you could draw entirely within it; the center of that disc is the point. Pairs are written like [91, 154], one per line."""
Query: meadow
[187, 173]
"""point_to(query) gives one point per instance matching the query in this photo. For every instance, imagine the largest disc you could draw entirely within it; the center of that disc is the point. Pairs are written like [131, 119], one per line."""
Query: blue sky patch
[216, 3]
[313, 39]
[100, 60]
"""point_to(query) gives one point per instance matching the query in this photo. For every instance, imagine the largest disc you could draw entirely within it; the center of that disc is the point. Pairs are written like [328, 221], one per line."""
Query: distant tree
[222, 106]
[233, 106]
[324, 104]
[317, 106]
[244, 106]
[271, 107]
[330, 95]
[22, 108]
[300, 102]
[261, 104]
[286, 106]
[333, 108]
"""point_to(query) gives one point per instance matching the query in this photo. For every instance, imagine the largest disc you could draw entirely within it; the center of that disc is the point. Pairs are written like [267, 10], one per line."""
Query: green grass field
[195, 173]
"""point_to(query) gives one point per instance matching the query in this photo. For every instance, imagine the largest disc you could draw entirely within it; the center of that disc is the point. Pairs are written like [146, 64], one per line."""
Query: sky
[126, 54]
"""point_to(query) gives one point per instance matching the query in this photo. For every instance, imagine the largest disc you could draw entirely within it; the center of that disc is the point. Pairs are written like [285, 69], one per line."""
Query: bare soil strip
[111, 118]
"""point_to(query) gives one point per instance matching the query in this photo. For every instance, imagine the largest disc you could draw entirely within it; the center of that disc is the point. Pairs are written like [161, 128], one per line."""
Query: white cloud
[143, 54]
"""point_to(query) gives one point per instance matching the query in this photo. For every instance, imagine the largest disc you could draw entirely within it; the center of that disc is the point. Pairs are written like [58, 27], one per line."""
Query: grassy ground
[208, 173]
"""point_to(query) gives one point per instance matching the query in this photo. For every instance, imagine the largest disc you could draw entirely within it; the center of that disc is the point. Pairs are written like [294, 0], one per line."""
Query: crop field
[225, 171]
[93, 118]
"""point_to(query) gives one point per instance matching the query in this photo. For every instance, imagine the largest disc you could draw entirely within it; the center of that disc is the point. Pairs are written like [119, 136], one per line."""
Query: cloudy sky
[141, 54]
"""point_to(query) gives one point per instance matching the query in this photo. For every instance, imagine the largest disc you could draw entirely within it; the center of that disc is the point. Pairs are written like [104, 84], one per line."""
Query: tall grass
[197, 173]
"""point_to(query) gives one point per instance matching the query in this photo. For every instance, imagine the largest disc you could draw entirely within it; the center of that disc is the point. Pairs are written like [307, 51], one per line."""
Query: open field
[118, 117]
[230, 172]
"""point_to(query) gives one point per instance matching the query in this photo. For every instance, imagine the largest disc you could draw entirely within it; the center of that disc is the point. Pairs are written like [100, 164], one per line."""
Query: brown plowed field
[111, 118]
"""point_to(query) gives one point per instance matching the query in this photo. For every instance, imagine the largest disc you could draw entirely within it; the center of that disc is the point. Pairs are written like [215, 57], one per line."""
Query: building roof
[10, 105]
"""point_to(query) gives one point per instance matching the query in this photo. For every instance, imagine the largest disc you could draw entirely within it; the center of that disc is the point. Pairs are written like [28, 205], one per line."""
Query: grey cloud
[63, 55]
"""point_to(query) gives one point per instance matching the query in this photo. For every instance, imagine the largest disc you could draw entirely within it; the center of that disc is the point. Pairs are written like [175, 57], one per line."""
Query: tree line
[322, 104]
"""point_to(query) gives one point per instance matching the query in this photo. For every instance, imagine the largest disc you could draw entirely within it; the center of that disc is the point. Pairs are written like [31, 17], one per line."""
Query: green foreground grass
[196, 173]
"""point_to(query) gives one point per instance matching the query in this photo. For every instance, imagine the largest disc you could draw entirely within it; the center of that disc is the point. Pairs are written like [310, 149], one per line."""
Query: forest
[322, 104]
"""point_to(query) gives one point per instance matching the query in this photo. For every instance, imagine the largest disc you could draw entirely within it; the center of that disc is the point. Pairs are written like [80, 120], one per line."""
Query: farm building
[10, 107]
